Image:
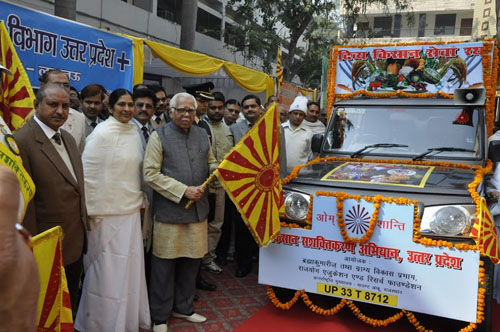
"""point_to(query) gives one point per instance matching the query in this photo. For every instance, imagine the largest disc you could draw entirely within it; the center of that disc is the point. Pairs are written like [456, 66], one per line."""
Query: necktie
[145, 132]
[57, 138]
[93, 124]
[158, 120]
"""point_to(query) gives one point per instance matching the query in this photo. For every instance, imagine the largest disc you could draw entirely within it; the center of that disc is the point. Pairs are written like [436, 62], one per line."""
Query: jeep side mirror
[317, 140]
[494, 151]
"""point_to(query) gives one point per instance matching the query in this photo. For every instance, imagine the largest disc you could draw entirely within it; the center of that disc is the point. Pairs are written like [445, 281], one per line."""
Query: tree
[268, 24]
[265, 17]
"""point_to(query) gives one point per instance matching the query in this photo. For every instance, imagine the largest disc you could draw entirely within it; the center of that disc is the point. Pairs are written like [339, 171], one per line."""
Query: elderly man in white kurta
[297, 137]
[177, 161]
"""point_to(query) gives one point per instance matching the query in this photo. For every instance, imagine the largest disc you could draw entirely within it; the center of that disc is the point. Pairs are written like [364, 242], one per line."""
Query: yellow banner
[9, 159]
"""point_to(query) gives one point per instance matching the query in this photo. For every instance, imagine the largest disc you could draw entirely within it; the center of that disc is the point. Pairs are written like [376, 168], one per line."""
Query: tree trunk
[291, 71]
[65, 8]
[188, 24]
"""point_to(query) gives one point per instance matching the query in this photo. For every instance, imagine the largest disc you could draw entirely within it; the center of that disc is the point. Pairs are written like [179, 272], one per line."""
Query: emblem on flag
[250, 174]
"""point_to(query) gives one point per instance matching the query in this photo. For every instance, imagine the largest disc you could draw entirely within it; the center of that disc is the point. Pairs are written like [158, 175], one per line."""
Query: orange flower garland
[489, 78]
[372, 321]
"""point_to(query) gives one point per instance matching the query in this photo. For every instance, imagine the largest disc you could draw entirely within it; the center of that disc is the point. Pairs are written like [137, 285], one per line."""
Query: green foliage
[265, 25]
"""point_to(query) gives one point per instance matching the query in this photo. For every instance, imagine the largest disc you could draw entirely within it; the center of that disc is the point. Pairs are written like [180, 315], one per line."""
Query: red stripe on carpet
[300, 318]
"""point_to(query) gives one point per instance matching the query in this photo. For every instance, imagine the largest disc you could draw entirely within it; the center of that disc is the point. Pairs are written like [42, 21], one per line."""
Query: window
[214, 4]
[466, 27]
[170, 10]
[231, 38]
[397, 25]
[208, 24]
[363, 30]
[382, 26]
[445, 24]
[144, 4]
[421, 25]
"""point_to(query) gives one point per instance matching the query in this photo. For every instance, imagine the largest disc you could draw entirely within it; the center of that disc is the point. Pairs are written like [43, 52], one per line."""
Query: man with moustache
[144, 101]
[221, 141]
[161, 115]
[245, 245]
[178, 160]
[75, 123]
[91, 96]
[51, 158]
[298, 138]
[311, 121]
[232, 111]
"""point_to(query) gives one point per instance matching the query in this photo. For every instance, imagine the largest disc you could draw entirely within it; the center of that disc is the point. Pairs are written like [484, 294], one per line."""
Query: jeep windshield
[410, 131]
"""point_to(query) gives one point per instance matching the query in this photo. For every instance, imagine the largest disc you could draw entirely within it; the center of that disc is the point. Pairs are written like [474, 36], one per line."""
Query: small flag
[54, 305]
[250, 174]
[485, 235]
[16, 100]
[279, 72]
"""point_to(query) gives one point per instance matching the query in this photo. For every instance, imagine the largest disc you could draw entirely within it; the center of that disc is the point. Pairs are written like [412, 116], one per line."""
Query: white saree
[114, 294]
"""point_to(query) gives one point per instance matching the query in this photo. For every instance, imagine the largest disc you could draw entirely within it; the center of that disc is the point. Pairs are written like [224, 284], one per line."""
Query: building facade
[460, 20]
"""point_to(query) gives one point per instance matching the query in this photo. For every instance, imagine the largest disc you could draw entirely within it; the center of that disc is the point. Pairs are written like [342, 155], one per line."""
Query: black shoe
[242, 271]
[204, 285]
[196, 297]
[221, 260]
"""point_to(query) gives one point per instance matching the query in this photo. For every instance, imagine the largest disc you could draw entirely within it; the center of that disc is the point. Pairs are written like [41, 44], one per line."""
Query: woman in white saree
[114, 294]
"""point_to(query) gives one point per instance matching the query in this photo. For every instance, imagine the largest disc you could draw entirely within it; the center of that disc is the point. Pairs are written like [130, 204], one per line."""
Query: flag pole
[203, 185]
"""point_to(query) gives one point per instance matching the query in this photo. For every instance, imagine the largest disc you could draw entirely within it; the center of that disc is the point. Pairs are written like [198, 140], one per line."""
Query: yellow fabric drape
[193, 63]
[185, 61]
[249, 79]
[138, 52]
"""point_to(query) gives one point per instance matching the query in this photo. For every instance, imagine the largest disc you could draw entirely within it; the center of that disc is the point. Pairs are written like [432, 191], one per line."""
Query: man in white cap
[297, 137]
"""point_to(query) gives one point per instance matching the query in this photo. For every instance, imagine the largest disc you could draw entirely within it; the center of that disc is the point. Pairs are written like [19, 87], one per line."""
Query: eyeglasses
[189, 111]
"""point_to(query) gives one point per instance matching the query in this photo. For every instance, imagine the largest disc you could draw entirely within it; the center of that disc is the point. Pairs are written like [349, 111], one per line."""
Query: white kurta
[298, 145]
[114, 294]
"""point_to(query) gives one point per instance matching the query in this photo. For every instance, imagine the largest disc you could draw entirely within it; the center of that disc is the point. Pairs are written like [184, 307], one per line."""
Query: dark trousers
[227, 227]
[173, 285]
[73, 276]
[244, 243]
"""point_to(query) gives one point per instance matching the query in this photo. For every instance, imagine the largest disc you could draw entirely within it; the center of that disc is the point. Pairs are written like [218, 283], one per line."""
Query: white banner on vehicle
[390, 269]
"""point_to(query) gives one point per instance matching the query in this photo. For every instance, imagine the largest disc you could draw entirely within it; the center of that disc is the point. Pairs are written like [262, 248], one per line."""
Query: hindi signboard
[88, 55]
[413, 69]
[390, 269]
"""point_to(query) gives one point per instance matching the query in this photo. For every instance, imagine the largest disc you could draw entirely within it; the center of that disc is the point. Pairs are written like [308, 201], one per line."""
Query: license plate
[357, 294]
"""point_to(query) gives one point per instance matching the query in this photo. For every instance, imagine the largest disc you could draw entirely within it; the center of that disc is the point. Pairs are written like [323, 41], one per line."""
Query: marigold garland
[490, 74]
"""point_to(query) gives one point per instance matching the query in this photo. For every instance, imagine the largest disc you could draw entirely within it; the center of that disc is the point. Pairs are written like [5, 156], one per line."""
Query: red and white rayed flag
[279, 72]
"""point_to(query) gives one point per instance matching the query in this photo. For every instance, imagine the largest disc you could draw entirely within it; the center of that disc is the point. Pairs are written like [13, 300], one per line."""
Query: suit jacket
[75, 125]
[239, 129]
[139, 130]
[59, 199]
[88, 127]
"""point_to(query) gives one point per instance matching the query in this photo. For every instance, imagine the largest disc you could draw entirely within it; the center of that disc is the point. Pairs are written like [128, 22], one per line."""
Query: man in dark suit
[50, 156]
[245, 245]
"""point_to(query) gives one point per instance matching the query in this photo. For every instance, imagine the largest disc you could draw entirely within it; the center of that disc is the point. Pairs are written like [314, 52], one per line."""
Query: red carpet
[300, 318]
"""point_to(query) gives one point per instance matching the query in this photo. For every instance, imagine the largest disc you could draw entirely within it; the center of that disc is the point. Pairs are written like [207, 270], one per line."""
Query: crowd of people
[115, 171]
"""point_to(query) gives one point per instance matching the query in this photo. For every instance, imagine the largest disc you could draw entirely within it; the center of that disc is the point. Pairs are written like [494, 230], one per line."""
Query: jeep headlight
[296, 205]
[448, 220]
